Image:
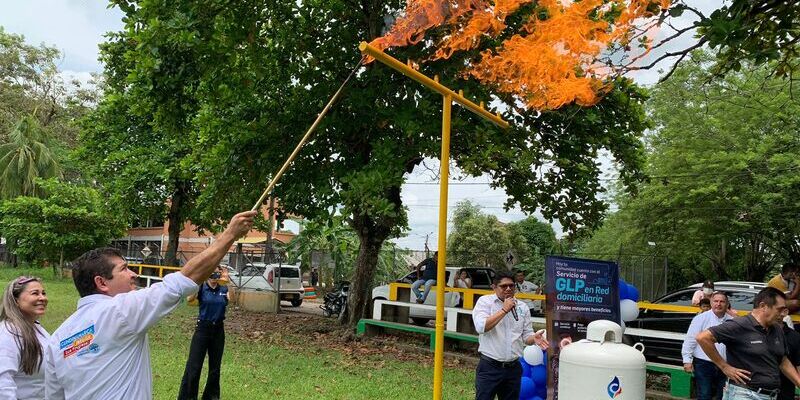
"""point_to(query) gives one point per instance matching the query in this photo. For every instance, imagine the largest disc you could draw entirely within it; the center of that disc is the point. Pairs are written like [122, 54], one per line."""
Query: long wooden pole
[303, 141]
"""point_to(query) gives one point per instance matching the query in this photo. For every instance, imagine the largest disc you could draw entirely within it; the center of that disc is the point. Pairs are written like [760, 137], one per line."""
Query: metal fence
[648, 272]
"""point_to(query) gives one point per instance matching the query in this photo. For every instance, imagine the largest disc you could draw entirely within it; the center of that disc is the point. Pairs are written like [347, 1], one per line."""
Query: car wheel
[420, 321]
[297, 302]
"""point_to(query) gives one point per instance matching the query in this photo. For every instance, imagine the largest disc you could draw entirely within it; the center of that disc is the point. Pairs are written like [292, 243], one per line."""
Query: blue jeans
[733, 392]
[415, 288]
[708, 379]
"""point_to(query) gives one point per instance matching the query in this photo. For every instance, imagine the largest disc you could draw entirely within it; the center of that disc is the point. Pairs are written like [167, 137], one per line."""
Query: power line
[651, 177]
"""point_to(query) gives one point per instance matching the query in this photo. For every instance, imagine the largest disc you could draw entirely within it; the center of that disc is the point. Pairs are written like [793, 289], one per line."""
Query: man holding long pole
[101, 351]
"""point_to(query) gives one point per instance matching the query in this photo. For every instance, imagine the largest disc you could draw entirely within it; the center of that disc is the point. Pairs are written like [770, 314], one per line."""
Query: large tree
[63, 222]
[478, 239]
[723, 163]
[140, 140]
[276, 63]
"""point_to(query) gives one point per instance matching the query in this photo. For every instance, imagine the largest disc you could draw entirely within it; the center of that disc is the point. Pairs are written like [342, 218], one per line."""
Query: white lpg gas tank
[600, 367]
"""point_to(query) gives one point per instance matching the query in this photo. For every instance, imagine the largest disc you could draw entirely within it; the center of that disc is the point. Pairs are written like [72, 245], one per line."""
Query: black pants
[491, 378]
[208, 338]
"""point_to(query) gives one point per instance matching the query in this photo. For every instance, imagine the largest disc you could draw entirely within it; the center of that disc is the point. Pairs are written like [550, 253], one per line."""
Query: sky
[76, 27]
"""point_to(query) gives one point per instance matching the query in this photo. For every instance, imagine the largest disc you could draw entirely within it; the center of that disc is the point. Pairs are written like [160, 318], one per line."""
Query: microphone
[514, 311]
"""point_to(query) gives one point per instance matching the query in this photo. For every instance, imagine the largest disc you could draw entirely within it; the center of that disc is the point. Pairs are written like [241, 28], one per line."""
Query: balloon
[526, 368]
[541, 391]
[633, 293]
[533, 355]
[623, 290]
[526, 388]
[539, 375]
[536, 398]
[629, 310]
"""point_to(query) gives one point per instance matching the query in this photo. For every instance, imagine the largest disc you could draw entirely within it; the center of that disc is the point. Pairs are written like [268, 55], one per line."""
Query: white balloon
[629, 310]
[533, 355]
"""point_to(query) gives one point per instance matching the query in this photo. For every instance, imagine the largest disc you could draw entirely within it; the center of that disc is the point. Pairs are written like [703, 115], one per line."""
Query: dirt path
[293, 329]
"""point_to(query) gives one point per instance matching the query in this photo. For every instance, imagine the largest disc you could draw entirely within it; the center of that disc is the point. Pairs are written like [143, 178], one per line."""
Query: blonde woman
[21, 338]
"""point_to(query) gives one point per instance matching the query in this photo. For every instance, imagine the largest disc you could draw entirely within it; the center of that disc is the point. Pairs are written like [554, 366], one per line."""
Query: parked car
[260, 276]
[481, 279]
[740, 295]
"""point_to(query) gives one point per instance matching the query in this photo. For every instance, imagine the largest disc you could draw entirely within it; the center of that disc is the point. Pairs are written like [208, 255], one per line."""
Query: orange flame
[551, 61]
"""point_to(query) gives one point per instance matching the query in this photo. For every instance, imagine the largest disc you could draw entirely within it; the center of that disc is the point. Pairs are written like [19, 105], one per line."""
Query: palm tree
[26, 157]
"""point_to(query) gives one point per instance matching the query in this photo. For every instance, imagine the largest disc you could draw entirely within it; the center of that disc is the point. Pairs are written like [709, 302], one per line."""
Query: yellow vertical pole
[441, 262]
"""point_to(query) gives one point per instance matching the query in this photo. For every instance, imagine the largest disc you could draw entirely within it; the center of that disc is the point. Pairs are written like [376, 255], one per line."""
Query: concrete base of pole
[256, 300]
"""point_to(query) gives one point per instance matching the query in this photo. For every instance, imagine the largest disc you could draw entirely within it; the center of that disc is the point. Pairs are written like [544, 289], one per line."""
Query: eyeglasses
[506, 286]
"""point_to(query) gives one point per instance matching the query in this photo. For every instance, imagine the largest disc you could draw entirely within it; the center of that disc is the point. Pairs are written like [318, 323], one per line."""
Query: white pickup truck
[481, 279]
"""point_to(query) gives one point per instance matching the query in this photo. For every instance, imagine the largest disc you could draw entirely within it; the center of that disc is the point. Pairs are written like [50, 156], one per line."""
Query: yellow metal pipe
[404, 69]
[441, 262]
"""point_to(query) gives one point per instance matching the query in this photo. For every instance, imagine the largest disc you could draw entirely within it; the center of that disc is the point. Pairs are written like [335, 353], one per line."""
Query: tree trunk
[719, 261]
[758, 259]
[175, 218]
[361, 284]
[371, 234]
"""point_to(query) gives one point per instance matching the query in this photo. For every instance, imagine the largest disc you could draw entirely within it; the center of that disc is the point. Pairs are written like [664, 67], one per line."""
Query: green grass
[291, 366]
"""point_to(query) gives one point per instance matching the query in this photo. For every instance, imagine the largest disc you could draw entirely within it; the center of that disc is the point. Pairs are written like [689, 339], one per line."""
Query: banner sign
[578, 292]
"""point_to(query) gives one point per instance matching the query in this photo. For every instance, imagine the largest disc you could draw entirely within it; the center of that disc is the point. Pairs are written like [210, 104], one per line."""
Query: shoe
[420, 301]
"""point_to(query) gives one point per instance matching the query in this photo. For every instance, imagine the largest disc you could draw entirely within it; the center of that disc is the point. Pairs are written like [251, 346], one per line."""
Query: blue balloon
[526, 388]
[633, 293]
[539, 375]
[537, 398]
[526, 368]
[623, 290]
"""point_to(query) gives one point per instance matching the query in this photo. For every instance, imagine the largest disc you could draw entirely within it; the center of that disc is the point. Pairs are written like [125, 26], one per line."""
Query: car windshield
[741, 300]
[252, 270]
[678, 299]
[290, 272]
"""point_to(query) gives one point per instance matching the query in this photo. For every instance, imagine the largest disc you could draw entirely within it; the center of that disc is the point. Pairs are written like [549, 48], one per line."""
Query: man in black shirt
[793, 344]
[756, 349]
[425, 277]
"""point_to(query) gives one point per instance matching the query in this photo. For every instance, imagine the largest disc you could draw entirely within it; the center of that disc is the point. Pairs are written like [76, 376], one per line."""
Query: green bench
[370, 326]
[680, 381]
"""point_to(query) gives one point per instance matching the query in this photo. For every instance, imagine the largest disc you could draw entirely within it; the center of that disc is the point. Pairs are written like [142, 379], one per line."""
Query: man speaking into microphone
[504, 328]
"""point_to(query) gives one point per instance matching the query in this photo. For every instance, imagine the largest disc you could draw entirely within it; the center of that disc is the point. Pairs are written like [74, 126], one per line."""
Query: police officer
[209, 337]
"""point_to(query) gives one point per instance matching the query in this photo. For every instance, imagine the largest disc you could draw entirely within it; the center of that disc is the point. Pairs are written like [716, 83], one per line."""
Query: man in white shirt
[524, 286]
[101, 351]
[504, 328]
[708, 379]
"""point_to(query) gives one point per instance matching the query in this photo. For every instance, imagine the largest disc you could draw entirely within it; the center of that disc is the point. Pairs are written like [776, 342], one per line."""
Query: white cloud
[75, 27]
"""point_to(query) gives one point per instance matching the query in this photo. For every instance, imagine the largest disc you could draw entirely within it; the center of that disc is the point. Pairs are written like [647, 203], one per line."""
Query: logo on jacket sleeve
[614, 388]
[79, 341]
